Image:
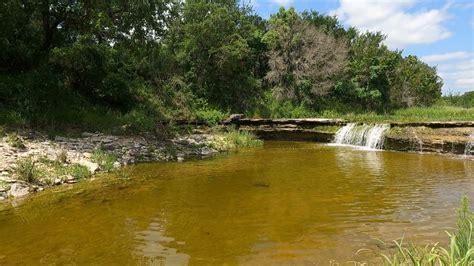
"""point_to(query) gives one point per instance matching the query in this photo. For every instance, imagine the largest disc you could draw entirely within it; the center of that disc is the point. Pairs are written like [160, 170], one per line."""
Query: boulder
[233, 117]
[93, 167]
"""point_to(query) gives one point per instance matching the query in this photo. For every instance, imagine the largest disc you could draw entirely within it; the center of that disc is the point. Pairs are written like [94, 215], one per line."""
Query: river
[282, 203]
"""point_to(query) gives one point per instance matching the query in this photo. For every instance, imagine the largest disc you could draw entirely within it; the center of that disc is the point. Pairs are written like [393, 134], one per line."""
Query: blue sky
[439, 32]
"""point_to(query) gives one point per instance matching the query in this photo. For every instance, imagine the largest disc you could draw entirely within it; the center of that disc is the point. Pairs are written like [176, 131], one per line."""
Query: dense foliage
[101, 64]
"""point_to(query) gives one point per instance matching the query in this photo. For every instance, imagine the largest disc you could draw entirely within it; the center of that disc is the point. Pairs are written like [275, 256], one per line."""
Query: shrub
[211, 117]
[26, 170]
[62, 156]
[15, 141]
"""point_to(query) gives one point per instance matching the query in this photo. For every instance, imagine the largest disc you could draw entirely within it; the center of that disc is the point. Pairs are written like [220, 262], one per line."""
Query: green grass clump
[234, 140]
[211, 117]
[27, 170]
[104, 160]
[78, 171]
[460, 250]
[15, 141]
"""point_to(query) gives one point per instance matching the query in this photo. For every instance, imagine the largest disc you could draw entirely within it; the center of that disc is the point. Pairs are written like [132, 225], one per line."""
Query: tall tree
[220, 48]
[304, 61]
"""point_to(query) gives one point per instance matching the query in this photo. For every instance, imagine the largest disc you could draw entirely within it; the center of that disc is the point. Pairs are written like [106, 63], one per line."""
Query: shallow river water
[283, 203]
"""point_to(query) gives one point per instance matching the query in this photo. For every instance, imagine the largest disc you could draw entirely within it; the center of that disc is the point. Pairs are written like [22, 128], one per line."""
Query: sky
[440, 32]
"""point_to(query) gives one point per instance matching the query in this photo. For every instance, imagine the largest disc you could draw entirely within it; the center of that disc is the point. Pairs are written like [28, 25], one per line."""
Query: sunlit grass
[233, 139]
[460, 250]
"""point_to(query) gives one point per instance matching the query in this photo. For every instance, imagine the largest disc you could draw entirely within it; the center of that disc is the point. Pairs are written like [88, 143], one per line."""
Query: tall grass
[460, 250]
[413, 114]
[27, 170]
[104, 160]
[234, 139]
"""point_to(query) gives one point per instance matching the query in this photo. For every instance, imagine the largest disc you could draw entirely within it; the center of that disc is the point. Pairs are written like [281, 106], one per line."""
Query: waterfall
[369, 136]
[469, 150]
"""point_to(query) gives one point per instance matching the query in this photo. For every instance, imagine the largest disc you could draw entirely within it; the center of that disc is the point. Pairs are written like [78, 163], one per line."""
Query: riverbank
[31, 161]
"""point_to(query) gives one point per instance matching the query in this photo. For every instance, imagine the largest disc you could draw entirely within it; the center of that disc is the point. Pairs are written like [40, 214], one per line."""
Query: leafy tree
[371, 67]
[414, 83]
[220, 46]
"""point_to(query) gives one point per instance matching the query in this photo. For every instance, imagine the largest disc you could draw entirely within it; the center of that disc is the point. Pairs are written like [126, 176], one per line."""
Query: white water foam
[469, 149]
[367, 136]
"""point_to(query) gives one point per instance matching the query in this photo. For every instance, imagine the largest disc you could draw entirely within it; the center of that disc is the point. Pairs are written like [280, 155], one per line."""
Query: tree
[415, 83]
[371, 67]
[304, 61]
[219, 50]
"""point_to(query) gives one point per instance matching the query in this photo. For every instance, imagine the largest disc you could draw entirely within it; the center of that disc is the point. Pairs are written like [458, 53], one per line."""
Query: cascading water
[369, 136]
[469, 150]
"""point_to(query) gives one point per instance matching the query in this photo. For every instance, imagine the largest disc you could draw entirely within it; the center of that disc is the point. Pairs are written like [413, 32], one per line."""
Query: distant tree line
[59, 59]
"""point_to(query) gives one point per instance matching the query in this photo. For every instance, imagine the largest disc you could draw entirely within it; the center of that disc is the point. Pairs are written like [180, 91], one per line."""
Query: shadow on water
[287, 202]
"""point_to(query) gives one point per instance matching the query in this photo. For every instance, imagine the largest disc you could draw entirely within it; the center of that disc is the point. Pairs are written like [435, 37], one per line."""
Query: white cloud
[395, 19]
[446, 56]
[285, 3]
[458, 76]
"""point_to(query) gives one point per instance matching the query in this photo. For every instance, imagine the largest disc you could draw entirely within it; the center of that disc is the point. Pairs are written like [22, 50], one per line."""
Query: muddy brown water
[283, 203]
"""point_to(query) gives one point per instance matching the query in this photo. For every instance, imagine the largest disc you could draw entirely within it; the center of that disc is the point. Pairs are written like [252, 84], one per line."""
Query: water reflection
[366, 161]
[152, 245]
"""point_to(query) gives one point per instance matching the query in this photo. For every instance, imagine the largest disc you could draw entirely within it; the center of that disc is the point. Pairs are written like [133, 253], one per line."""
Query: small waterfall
[369, 136]
[469, 150]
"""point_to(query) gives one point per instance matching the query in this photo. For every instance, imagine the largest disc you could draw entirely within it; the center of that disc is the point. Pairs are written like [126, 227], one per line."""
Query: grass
[460, 250]
[62, 156]
[78, 171]
[60, 169]
[104, 160]
[233, 140]
[27, 170]
[413, 114]
[15, 141]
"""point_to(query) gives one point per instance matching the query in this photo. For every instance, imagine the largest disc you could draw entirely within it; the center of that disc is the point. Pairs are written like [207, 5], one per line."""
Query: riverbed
[282, 203]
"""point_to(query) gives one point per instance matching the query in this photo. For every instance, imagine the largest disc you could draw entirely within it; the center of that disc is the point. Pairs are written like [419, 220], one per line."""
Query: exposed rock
[116, 165]
[91, 166]
[57, 181]
[233, 117]
[18, 190]
[126, 149]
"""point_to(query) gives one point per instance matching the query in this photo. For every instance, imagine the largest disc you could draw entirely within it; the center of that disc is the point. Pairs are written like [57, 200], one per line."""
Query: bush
[62, 156]
[15, 141]
[211, 117]
[26, 170]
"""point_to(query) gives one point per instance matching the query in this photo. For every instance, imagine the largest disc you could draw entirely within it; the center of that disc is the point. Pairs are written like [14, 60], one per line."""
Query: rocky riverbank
[31, 161]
